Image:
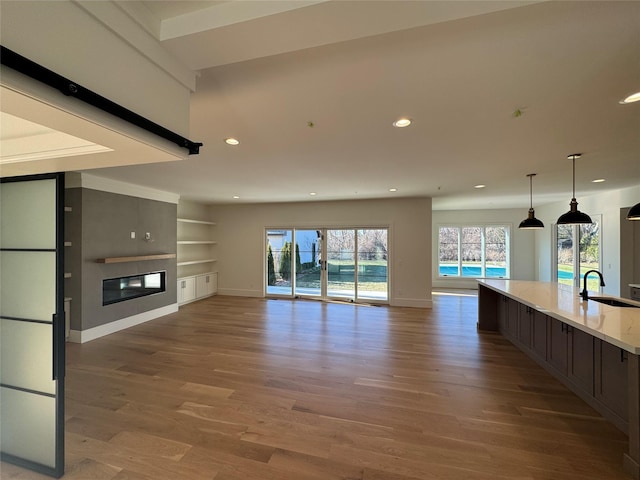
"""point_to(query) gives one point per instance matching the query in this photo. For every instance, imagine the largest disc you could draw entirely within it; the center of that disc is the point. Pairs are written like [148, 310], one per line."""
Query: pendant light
[634, 212]
[531, 222]
[574, 216]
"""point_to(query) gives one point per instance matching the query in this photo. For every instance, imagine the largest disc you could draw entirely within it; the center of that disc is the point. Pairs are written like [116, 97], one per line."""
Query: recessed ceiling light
[393, 189]
[634, 97]
[236, 197]
[402, 122]
[597, 180]
[313, 194]
[479, 186]
[231, 141]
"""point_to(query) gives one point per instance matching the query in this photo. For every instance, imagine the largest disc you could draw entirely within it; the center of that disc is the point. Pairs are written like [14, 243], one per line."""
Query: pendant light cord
[531, 190]
[574, 176]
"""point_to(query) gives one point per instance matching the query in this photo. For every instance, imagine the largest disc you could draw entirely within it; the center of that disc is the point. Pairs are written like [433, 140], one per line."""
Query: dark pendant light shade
[634, 212]
[531, 222]
[574, 216]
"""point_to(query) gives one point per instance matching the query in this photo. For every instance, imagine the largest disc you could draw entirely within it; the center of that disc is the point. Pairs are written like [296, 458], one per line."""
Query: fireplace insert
[120, 289]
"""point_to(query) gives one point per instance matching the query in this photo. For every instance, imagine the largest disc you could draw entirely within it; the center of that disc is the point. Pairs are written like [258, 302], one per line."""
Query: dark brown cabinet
[602, 374]
[581, 359]
[611, 380]
[539, 335]
[558, 344]
[525, 325]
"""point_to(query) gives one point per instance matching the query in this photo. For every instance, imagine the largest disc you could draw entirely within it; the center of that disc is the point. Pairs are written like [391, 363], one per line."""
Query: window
[473, 251]
[571, 262]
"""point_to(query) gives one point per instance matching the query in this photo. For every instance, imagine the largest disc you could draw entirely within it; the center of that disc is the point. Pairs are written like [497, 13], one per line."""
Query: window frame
[577, 280]
[483, 247]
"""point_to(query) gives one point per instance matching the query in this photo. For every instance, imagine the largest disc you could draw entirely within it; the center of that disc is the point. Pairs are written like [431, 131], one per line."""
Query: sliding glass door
[346, 264]
[32, 323]
[307, 267]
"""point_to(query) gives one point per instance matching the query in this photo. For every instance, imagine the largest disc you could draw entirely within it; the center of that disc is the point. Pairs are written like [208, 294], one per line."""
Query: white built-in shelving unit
[197, 276]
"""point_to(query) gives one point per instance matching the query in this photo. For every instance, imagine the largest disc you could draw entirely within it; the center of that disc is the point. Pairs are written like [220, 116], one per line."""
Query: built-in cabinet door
[186, 289]
[611, 385]
[512, 312]
[581, 359]
[558, 345]
[205, 285]
[32, 322]
[525, 325]
[539, 335]
[503, 315]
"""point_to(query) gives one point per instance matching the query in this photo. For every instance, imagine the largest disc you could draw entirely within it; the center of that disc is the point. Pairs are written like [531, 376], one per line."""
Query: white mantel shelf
[137, 258]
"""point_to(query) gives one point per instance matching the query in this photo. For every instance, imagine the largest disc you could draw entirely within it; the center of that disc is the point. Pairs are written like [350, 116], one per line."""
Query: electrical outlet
[147, 236]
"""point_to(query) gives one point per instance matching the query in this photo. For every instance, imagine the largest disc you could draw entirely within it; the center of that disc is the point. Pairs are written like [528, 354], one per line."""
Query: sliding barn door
[32, 323]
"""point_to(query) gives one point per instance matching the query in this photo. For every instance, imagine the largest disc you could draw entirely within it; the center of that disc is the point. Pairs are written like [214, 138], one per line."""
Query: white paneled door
[32, 322]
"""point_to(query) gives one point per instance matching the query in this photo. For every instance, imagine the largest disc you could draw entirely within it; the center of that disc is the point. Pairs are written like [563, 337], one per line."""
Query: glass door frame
[576, 264]
[57, 370]
[323, 264]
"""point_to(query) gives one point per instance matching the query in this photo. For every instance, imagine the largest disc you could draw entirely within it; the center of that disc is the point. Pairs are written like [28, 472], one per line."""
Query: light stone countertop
[619, 326]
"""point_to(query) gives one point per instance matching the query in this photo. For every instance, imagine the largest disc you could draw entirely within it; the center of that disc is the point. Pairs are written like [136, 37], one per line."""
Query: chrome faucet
[584, 294]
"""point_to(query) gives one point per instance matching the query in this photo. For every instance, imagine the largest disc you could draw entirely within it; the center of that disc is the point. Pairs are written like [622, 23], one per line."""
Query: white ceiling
[459, 69]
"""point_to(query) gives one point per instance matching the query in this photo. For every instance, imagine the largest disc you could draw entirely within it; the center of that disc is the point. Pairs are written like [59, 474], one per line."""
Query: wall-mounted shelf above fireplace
[138, 258]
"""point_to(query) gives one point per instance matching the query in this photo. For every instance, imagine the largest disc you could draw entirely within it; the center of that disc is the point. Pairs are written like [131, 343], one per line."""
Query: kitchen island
[591, 347]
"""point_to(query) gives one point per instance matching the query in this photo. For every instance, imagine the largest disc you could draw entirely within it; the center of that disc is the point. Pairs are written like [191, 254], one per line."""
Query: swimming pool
[490, 272]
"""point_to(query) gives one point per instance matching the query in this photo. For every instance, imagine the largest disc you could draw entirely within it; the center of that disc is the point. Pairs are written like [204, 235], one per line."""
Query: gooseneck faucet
[584, 294]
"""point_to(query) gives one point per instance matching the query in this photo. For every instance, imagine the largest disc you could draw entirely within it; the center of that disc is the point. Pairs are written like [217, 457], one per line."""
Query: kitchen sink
[614, 302]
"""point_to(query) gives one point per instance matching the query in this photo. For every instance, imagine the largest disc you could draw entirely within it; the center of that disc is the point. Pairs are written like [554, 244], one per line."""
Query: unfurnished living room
[323, 239]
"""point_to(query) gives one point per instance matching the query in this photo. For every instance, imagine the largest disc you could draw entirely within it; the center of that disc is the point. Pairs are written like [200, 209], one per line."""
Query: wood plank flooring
[235, 388]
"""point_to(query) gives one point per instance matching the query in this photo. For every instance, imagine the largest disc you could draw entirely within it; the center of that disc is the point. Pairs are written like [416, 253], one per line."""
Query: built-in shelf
[138, 258]
[196, 242]
[189, 220]
[195, 262]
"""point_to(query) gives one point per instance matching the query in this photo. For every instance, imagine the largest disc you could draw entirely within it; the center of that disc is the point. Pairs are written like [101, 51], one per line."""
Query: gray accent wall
[100, 226]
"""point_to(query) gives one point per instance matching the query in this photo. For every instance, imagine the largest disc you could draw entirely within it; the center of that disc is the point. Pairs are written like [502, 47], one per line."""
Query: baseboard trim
[233, 292]
[411, 302]
[83, 336]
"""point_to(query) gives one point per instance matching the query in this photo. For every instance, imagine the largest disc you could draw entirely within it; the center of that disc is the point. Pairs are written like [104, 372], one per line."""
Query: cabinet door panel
[503, 315]
[558, 346]
[539, 335]
[525, 323]
[581, 359]
[611, 378]
[512, 312]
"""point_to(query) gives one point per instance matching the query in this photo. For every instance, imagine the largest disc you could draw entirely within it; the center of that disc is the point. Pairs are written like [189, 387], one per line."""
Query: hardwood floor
[235, 388]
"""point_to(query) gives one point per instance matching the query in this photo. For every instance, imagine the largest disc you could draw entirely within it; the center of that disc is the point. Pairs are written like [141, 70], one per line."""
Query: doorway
[32, 322]
[349, 264]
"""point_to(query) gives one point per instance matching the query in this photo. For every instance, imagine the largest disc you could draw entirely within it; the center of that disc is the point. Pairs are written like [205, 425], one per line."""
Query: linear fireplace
[120, 289]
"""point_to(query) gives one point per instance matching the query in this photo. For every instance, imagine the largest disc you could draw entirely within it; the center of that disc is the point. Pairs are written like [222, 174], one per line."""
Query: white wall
[523, 262]
[67, 37]
[241, 241]
[608, 205]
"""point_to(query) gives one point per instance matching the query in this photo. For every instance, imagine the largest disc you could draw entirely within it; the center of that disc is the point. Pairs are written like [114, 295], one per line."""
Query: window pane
[565, 254]
[279, 264]
[341, 245]
[372, 264]
[590, 253]
[448, 251]
[308, 274]
[496, 252]
[471, 250]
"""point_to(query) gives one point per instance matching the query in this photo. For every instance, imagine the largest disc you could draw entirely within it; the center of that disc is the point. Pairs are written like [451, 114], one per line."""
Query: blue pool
[491, 272]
